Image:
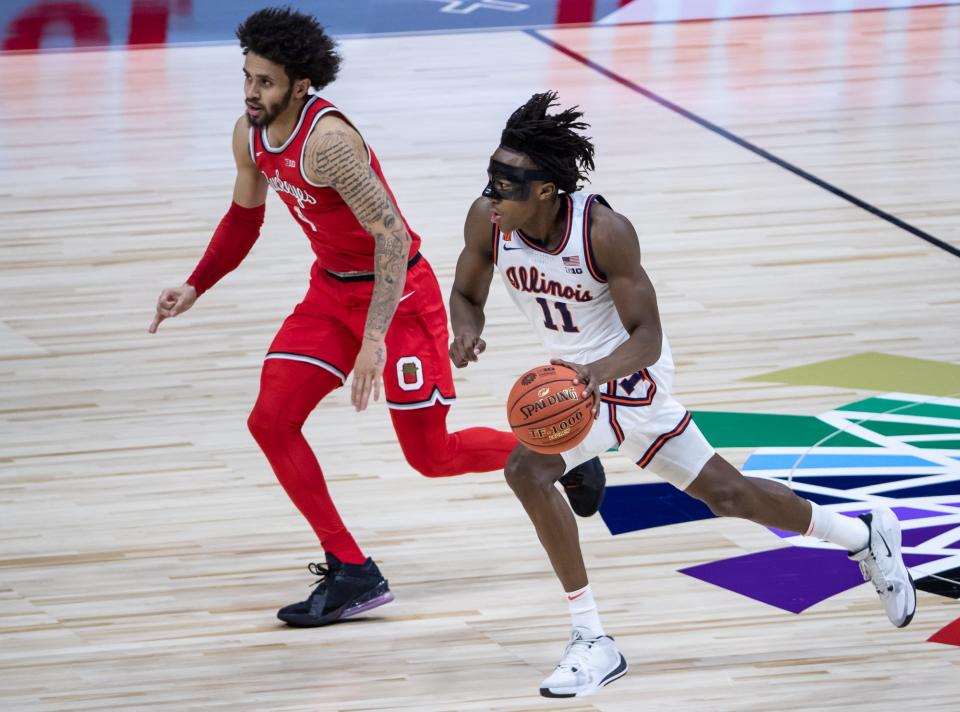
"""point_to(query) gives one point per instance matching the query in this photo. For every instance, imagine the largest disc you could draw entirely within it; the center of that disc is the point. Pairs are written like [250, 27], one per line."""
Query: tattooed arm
[336, 156]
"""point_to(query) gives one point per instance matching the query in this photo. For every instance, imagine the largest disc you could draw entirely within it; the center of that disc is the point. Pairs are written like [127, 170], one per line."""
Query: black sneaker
[585, 485]
[343, 590]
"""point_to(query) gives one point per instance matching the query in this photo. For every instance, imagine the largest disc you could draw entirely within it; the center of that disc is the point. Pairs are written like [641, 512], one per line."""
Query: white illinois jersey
[567, 300]
[562, 292]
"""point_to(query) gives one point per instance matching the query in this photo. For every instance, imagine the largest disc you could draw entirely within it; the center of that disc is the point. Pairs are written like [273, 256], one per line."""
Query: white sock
[849, 532]
[583, 610]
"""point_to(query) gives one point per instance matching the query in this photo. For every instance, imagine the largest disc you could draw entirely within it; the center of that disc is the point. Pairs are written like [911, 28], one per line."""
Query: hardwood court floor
[144, 543]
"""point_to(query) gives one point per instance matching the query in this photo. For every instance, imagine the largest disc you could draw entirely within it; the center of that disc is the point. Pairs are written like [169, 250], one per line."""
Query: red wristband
[231, 242]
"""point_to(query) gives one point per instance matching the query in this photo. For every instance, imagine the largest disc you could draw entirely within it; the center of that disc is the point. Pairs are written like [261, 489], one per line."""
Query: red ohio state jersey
[337, 238]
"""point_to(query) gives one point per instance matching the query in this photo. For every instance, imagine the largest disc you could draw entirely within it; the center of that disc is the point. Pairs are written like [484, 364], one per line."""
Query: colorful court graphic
[900, 449]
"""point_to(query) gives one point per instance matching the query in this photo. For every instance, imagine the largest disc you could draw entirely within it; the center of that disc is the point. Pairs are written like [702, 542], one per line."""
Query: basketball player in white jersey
[572, 265]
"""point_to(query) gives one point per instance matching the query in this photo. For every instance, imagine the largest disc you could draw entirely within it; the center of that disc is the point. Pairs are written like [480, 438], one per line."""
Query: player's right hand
[466, 348]
[172, 302]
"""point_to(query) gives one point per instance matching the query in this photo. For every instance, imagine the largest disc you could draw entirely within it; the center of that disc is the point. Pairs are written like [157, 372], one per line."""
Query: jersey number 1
[565, 317]
[303, 218]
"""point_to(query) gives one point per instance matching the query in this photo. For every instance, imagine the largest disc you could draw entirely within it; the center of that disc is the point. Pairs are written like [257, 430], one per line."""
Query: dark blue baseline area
[29, 25]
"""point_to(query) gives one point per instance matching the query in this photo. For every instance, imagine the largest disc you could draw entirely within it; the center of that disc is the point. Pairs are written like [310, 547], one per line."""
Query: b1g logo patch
[572, 264]
[409, 373]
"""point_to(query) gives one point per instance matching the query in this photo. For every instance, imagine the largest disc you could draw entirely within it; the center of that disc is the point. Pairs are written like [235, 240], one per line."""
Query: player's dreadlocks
[293, 40]
[552, 142]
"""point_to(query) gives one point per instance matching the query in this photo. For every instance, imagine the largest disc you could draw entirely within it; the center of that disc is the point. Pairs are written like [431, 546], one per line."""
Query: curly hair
[295, 41]
[552, 142]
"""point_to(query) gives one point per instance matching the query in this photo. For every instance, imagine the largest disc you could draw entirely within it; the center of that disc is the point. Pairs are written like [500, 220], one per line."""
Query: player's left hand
[368, 373]
[586, 374]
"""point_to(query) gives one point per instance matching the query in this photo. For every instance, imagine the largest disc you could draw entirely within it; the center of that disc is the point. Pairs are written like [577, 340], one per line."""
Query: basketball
[547, 412]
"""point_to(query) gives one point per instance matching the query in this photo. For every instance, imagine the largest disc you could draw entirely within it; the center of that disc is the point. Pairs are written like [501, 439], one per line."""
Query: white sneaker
[882, 563]
[588, 664]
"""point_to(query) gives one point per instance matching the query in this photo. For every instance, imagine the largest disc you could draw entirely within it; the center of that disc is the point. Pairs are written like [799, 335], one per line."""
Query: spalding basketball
[547, 411]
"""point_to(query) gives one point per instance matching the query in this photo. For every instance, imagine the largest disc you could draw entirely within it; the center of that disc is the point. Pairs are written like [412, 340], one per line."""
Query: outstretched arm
[232, 240]
[471, 285]
[335, 156]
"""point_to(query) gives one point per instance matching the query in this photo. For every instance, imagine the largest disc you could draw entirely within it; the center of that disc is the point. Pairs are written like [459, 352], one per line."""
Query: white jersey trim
[320, 114]
[307, 359]
[293, 134]
[434, 398]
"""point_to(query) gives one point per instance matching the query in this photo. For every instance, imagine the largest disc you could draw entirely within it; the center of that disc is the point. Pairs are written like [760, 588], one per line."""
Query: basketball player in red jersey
[573, 266]
[373, 305]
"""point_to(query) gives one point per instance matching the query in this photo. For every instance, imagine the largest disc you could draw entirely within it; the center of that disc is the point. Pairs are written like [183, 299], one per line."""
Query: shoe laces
[321, 570]
[875, 574]
[576, 654]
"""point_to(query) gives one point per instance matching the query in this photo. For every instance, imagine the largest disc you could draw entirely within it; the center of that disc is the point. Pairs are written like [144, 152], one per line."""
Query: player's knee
[258, 425]
[526, 475]
[267, 427]
[426, 464]
[724, 490]
[730, 499]
[426, 451]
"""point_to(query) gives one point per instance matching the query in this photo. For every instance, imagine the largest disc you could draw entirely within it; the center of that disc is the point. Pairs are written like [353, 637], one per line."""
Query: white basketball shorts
[649, 426]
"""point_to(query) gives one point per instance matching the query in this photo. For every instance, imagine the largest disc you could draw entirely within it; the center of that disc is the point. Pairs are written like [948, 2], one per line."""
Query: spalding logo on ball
[547, 412]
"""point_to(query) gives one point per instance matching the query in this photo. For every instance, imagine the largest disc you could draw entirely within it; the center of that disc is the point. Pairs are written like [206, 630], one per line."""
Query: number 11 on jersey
[565, 317]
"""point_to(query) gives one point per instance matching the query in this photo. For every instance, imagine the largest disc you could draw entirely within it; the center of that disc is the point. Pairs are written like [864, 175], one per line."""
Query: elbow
[648, 341]
[460, 298]
[390, 239]
[392, 254]
[654, 342]
[458, 301]
[457, 294]
[406, 242]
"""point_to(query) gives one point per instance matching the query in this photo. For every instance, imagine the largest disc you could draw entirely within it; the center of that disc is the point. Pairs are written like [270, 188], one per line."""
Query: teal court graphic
[900, 449]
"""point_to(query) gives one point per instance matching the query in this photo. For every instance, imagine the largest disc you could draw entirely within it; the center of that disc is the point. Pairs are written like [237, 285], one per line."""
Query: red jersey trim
[614, 423]
[611, 395]
[657, 444]
[566, 236]
[588, 246]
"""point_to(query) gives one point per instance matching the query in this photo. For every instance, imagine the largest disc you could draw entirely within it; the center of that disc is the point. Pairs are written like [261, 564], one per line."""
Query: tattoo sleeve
[337, 159]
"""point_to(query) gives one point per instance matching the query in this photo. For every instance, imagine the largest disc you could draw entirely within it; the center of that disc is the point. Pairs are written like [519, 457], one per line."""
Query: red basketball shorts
[326, 329]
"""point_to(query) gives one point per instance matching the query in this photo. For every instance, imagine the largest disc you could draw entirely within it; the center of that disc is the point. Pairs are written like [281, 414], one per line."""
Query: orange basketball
[547, 411]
